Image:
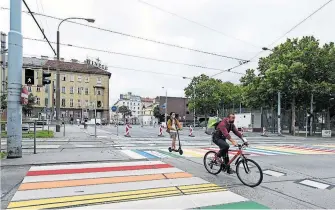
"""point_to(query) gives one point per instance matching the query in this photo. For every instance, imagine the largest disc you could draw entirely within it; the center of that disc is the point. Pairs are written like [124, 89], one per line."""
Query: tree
[296, 68]
[125, 111]
[28, 107]
[3, 101]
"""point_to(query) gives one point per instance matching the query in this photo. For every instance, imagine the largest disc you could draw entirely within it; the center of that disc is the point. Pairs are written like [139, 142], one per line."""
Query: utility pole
[166, 108]
[47, 105]
[194, 107]
[2, 76]
[14, 108]
[311, 119]
[279, 117]
[57, 87]
[95, 114]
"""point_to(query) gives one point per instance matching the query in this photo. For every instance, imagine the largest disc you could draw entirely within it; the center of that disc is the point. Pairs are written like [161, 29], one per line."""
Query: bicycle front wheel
[251, 169]
[210, 163]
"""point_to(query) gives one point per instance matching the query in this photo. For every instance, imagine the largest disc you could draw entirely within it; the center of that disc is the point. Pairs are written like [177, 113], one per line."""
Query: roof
[147, 99]
[75, 67]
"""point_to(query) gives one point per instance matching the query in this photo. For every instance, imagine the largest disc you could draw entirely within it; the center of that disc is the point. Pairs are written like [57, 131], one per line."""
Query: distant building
[82, 86]
[134, 104]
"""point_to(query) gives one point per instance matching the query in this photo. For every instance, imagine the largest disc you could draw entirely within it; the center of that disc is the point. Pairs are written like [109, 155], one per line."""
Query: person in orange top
[172, 126]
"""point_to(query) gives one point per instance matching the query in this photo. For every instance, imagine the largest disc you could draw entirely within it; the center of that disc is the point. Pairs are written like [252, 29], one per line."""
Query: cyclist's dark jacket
[223, 128]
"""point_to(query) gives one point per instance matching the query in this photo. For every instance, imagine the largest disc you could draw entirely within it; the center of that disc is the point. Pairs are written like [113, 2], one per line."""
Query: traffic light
[43, 78]
[29, 78]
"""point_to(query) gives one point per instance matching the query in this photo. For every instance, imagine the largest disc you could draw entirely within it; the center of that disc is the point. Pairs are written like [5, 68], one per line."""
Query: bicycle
[241, 159]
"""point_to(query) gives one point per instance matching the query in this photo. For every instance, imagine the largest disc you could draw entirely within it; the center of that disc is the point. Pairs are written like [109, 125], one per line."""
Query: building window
[79, 90]
[87, 79]
[54, 102]
[38, 89]
[138, 112]
[79, 78]
[99, 92]
[38, 101]
[138, 104]
[71, 102]
[63, 89]
[71, 90]
[72, 78]
[86, 91]
[46, 102]
[99, 81]
[63, 101]
[55, 76]
[86, 103]
[79, 103]
[63, 77]
[29, 88]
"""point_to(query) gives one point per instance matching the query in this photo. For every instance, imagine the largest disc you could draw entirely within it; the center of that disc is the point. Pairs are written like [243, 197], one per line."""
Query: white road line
[133, 154]
[93, 165]
[273, 173]
[157, 154]
[179, 202]
[315, 184]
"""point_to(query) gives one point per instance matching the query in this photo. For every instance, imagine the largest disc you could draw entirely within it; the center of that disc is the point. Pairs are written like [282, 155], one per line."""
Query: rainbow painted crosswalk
[120, 185]
[253, 151]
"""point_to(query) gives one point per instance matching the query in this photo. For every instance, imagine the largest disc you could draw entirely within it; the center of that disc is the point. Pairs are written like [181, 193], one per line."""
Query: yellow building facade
[82, 88]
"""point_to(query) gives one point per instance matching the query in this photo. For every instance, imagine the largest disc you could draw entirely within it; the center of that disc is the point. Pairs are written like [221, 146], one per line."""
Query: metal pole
[117, 126]
[166, 108]
[279, 106]
[48, 106]
[52, 101]
[14, 108]
[35, 137]
[240, 107]
[311, 119]
[95, 114]
[2, 75]
[64, 127]
[57, 87]
[194, 107]
[306, 123]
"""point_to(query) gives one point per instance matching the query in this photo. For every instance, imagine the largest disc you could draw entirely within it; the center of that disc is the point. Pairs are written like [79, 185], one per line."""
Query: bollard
[64, 129]
[191, 132]
[127, 131]
[160, 131]
[35, 137]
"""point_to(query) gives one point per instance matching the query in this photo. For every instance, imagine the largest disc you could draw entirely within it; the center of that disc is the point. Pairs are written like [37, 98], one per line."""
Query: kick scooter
[179, 149]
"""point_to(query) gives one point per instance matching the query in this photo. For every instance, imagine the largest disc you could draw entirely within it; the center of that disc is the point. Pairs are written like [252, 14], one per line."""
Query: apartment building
[83, 87]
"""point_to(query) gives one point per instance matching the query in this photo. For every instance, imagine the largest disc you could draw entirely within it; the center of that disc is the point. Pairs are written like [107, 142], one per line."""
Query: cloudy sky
[241, 28]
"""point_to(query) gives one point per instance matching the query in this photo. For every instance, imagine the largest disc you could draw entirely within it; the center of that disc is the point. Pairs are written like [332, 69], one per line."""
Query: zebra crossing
[262, 150]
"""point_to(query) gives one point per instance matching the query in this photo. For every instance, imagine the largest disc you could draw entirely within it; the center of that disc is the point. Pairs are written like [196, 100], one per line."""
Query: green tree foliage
[4, 101]
[156, 111]
[125, 111]
[296, 68]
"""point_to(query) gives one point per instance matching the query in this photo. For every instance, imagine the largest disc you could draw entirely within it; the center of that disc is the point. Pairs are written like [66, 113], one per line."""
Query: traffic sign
[48, 110]
[114, 108]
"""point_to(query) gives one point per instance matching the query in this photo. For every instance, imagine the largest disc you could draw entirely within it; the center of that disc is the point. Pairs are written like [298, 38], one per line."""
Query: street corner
[122, 185]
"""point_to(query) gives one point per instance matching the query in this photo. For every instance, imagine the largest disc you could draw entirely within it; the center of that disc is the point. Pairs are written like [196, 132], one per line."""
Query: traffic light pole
[57, 87]
[14, 108]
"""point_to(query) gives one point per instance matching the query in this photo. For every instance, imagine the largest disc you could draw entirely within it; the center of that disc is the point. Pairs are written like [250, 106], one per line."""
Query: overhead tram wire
[291, 29]
[197, 23]
[137, 37]
[134, 56]
[42, 31]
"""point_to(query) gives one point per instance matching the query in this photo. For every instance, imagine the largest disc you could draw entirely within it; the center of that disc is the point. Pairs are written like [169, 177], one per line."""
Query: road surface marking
[145, 154]
[158, 154]
[99, 169]
[116, 184]
[273, 173]
[315, 184]
[98, 175]
[133, 154]
[109, 180]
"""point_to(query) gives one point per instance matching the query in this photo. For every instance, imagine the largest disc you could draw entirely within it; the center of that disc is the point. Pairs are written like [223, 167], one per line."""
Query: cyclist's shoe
[230, 171]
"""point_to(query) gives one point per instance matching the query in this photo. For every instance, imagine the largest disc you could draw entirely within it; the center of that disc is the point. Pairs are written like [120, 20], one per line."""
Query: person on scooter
[220, 135]
[172, 126]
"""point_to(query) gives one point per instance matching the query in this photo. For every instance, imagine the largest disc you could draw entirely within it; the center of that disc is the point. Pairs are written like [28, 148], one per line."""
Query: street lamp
[279, 97]
[58, 70]
[194, 101]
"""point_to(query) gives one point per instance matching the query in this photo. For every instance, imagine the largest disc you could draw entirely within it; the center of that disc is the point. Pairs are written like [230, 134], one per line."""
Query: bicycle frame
[239, 154]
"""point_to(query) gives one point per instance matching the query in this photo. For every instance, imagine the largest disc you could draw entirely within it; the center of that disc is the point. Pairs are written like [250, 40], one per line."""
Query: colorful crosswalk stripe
[120, 185]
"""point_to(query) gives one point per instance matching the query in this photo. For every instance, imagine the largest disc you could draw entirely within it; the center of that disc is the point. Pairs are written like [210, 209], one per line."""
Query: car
[121, 123]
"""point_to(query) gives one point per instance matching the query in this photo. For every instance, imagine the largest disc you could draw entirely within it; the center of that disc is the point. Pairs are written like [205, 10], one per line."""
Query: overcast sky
[256, 22]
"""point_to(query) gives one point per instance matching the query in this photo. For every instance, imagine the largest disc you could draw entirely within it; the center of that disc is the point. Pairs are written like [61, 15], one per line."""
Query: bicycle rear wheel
[249, 166]
[209, 163]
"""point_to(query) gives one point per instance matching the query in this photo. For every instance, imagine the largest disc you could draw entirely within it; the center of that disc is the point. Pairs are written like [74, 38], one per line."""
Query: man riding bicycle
[221, 133]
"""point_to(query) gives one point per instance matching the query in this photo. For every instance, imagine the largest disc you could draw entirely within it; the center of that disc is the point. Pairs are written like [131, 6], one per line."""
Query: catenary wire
[134, 56]
[291, 29]
[136, 37]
